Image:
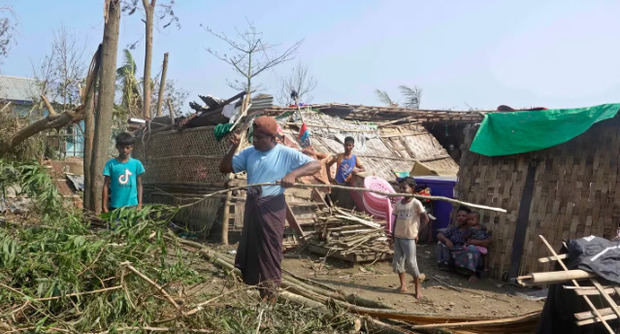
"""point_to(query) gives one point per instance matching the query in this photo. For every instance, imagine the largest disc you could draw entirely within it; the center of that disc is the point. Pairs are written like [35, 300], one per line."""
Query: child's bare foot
[402, 289]
[418, 295]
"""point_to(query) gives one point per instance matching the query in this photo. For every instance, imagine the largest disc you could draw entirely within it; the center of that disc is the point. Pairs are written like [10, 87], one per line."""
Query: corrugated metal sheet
[18, 89]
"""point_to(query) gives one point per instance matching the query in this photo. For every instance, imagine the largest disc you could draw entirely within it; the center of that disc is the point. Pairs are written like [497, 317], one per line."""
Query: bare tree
[412, 96]
[250, 56]
[166, 12]
[62, 71]
[299, 80]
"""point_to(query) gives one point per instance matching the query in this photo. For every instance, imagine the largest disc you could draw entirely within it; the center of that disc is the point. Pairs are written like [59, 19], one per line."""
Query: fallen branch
[151, 282]
[80, 293]
[48, 105]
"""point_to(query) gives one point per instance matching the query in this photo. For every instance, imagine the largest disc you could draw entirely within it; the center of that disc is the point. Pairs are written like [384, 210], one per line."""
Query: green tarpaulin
[505, 133]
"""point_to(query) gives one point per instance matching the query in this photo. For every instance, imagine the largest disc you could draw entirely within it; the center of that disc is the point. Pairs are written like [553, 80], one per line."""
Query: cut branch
[48, 105]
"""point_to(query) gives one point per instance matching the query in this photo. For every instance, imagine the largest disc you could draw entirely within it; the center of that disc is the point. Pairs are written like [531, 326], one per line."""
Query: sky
[462, 54]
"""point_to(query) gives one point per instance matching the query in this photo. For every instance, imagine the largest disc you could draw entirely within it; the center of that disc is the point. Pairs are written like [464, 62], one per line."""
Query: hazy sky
[463, 54]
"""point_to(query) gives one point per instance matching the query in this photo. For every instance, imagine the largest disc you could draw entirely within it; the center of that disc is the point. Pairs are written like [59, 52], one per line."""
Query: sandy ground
[486, 297]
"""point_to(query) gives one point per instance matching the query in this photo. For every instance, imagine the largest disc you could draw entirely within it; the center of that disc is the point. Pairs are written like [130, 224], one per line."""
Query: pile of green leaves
[53, 274]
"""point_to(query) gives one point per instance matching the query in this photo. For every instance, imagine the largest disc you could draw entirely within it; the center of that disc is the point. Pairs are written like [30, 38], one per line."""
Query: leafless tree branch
[249, 55]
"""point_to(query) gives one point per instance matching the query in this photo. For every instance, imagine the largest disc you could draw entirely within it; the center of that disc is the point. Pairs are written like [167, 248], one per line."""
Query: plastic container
[440, 186]
[377, 205]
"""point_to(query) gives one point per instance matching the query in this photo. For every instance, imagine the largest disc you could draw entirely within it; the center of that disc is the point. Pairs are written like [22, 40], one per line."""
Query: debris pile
[349, 236]
[64, 271]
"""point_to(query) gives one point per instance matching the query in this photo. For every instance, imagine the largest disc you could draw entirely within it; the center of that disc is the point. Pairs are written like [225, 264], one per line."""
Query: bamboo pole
[151, 282]
[586, 298]
[303, 185]
[552, 277]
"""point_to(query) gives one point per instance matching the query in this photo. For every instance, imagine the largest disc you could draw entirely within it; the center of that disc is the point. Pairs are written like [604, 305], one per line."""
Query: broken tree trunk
[149, 11]
[88, 98]
[105, 101]
[162, 85]
[55, 121]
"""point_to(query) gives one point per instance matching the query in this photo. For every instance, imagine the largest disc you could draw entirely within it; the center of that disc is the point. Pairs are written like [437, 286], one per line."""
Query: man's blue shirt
[269, 166]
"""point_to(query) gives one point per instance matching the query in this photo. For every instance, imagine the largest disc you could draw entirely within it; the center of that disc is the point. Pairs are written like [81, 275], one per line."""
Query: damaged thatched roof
[386, 114]
[382, 149]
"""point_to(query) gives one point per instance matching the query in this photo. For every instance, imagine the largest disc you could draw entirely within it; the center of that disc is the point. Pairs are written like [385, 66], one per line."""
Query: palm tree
[131, 101]
[385, 98]
[412, 97]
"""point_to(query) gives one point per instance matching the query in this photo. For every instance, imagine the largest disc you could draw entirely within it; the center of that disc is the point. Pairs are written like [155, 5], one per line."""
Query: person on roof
[259, 254]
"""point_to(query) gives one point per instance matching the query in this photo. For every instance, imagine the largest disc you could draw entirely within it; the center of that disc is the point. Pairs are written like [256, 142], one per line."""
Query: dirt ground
[486, 297]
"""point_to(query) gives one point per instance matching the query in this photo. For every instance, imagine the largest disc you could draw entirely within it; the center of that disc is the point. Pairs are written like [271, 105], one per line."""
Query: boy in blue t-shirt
[123, 179]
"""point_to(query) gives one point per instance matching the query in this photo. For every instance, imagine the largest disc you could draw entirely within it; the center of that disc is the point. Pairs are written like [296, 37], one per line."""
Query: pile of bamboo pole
[349, 236]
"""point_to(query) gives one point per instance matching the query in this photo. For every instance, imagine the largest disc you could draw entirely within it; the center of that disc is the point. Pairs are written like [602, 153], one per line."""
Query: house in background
[23, 94]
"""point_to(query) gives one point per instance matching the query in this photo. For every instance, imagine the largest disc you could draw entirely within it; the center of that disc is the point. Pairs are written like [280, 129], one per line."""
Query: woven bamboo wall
[181, 165]
[576, 193]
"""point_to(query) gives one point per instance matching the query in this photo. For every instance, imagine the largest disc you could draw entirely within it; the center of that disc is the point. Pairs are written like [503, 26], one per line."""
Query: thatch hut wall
[576, 193]
[180, 166]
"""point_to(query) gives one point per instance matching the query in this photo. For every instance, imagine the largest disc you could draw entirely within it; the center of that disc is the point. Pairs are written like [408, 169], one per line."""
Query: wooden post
[522, 220]
[226, 215]
[162, 85]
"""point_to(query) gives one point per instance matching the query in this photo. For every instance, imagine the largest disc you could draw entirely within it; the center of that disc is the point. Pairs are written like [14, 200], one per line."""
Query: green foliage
[42, 265]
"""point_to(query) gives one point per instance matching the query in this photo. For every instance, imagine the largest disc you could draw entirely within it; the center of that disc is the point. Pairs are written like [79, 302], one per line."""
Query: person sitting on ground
[452, 250]
[122, 177]
[453, 236]
[410, 214]
[479, 237]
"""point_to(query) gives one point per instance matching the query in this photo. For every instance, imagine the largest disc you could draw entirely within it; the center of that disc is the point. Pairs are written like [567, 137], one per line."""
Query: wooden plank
[609, 315]
[607, 298]
[589, 291]
[589, 315]
[292, 221]
[552, 258]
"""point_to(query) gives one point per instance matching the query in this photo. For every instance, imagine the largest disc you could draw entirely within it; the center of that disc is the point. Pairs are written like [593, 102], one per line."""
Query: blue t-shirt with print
[269, 166]
[123, 182]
